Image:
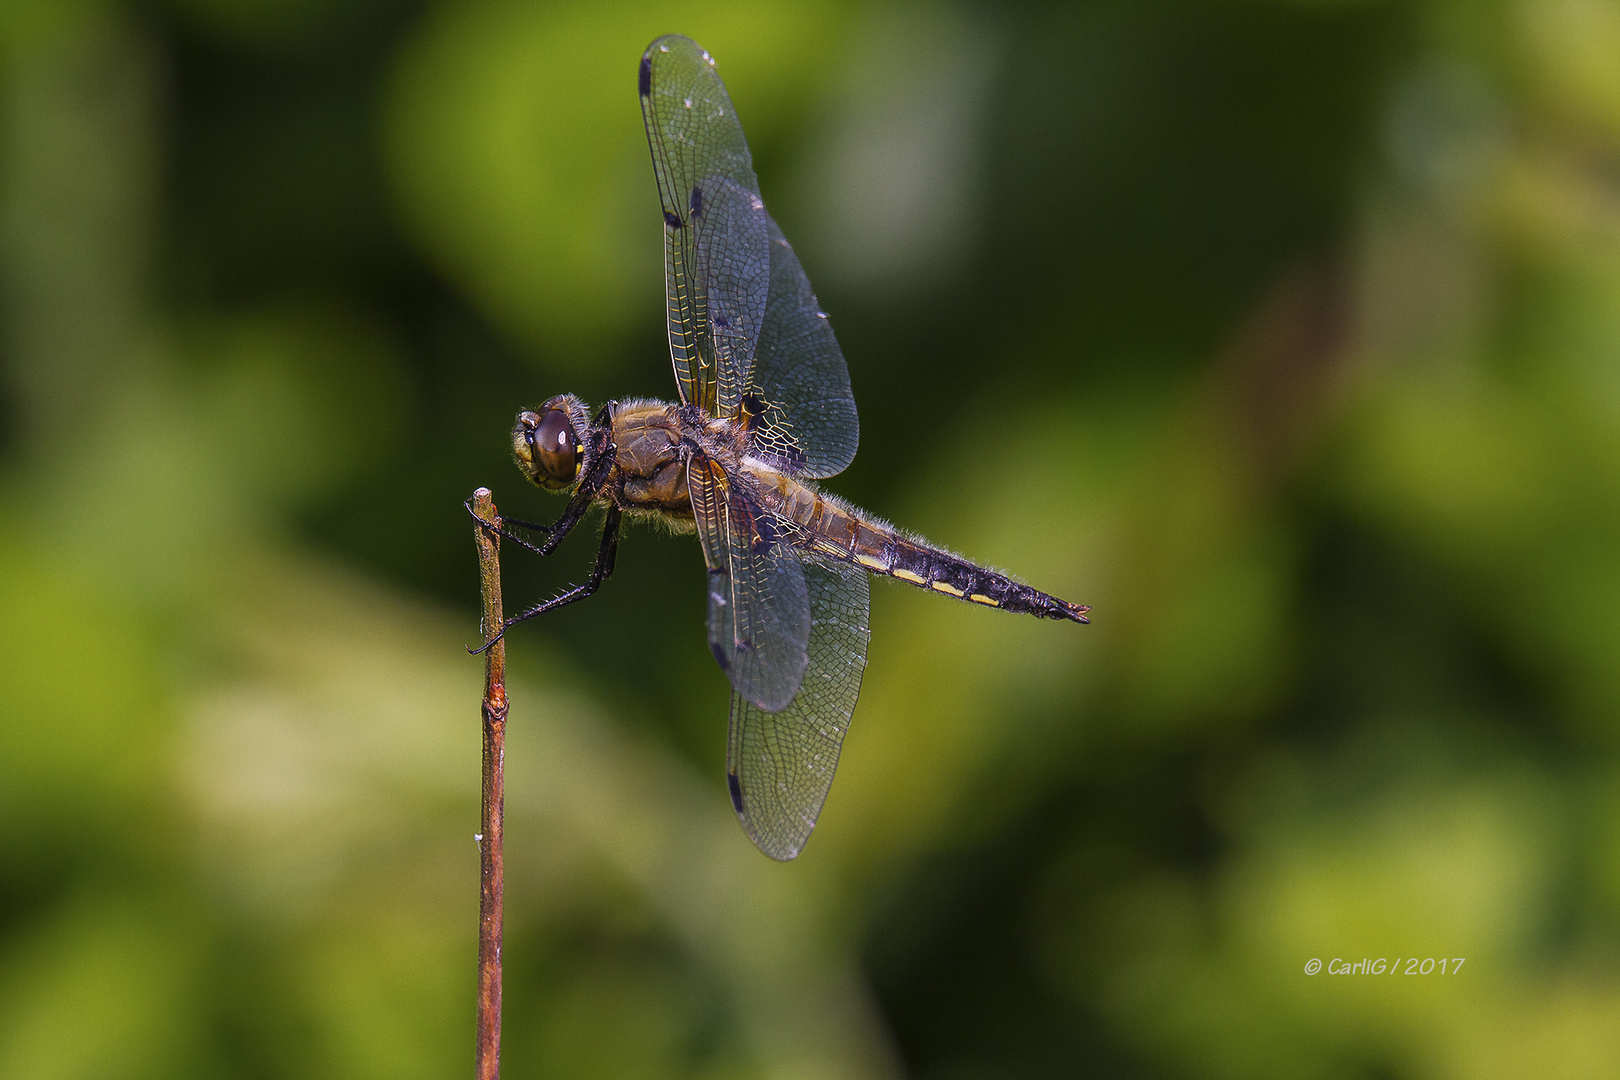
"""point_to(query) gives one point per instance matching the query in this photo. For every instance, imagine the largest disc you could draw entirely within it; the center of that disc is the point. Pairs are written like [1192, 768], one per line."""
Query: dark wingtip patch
[671, 220]
[644, 76]
[735, 787]
[720, 656]
[696, 201]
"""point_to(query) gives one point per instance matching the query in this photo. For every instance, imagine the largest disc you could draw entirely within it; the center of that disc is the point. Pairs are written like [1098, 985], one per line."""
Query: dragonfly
[765, 411]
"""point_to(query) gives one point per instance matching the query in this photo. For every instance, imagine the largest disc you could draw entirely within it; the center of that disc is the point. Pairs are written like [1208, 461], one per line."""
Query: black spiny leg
[584, 494]
[503, 524]
[603, 570]
[555, 532]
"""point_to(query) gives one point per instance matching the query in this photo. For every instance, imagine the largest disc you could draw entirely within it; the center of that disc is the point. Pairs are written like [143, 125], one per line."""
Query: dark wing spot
[736, 791]
[644, 76]
[764, 535]
[696, 201]
[719, 656]
[671, 220]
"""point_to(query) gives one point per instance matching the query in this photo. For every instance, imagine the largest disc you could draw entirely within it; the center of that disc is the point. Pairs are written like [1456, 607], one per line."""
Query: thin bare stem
[491, 868]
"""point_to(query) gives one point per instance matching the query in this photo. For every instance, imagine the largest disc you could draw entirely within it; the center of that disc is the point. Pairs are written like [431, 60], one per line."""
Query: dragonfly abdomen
[833, 528]
[927, 567]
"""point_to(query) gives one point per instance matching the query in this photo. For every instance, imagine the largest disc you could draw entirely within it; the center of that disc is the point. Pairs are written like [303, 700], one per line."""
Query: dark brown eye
[556, 451]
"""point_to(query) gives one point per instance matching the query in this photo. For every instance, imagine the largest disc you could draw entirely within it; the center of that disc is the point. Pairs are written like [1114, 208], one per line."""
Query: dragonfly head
[549, 443]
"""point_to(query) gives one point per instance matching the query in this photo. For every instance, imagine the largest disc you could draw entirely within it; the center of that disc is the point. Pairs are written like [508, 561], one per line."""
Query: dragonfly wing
[731, 240]
[716, 237]
[780, 764]
[808, 426]
[707, 484]
[759, 611]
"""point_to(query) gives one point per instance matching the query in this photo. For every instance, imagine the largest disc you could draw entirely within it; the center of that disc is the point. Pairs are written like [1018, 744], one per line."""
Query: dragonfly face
[548, 445]
[765, 410]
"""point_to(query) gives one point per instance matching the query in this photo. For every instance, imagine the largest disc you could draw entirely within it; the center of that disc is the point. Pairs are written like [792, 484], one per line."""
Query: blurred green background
[1287, 334]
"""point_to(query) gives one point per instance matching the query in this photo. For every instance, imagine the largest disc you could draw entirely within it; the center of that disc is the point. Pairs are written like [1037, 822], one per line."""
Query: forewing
[707, 486]
[809, 426]
[780, 764]
[716, 237]
[759, 613]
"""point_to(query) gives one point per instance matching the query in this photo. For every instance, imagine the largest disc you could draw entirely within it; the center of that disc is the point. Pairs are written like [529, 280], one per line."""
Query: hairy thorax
[652, 441]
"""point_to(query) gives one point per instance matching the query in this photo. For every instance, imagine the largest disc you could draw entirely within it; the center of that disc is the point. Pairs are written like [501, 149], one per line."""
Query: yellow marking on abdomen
[940, 586]
[907, 575]
[980, 598]
[872, 563]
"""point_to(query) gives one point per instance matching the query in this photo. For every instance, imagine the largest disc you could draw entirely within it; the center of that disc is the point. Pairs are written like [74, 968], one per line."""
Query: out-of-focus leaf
[101, 990]
[516, 151]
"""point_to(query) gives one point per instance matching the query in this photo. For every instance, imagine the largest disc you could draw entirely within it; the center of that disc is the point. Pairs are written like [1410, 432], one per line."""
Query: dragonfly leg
[605, 556]
[501, 521]
[502, 524]
[578, 503]
[500, 528]
[532, 526]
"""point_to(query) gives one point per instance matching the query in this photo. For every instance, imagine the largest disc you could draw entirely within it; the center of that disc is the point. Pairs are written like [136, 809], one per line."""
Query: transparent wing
[808, 425]
[716, 238]
[759, 612]
[707, 486]
[780, 764]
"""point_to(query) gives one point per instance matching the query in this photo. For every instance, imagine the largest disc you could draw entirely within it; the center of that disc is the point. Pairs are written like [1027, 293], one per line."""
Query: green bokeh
[1285, 334]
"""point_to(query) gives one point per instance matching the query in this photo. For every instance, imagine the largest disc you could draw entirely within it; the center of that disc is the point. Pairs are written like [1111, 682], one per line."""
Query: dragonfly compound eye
[547, 448]
[556, 450]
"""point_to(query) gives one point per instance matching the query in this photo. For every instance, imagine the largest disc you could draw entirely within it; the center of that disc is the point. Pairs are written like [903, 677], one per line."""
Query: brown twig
[491, 869]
